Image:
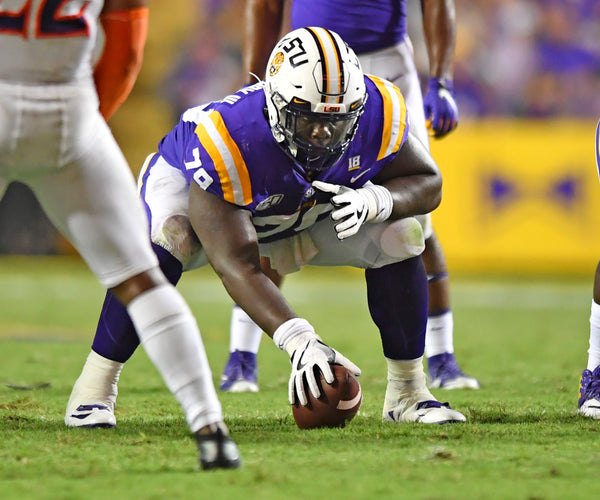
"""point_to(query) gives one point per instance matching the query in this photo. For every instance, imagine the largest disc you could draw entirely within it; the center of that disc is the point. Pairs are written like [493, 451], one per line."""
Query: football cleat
[240, 374]
[424, 412]
[409, 400]
[91, 416]
[589, 394]
[444, 373]
[218, 451]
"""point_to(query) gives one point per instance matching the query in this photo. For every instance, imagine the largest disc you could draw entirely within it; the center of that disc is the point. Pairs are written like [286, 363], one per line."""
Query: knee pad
[426, 224]
[403, 239]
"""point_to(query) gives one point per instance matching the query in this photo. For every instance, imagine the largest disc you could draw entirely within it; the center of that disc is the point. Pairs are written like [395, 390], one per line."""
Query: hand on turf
[441, 111]
[352, 207]
[309, 355]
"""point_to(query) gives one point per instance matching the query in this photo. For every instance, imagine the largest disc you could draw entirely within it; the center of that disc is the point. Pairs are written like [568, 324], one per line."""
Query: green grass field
[526, 340]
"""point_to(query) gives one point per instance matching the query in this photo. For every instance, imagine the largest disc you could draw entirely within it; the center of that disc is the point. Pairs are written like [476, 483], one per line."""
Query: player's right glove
[441, 111]
[307, 352]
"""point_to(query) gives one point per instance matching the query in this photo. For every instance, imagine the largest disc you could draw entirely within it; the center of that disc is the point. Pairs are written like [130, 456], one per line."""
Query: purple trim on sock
[441, 312]
[432, 278]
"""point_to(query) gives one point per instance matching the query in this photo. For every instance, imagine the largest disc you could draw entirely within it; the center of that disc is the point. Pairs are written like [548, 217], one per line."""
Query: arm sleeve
[115, 74]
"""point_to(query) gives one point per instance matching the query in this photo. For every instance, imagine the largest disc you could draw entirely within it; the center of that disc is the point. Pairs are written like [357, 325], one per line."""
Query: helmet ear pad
[314, 79]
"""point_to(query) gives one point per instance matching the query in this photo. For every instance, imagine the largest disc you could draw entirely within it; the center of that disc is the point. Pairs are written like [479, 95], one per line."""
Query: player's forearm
[258, 296]
[262, 27]
[230, 242]
[439, 28]
[415, 195]
[122, 56]
[238, 266]
[413, 179]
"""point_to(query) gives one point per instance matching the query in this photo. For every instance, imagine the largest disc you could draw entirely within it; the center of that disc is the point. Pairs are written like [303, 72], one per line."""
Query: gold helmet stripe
[331, 65]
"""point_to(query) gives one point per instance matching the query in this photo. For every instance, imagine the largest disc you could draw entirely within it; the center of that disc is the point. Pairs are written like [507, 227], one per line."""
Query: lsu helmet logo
[276, 63]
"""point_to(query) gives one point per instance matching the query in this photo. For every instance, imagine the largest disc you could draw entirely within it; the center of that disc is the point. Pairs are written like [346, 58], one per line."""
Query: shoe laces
[241, 364]
[590, 385]
[431, 403]
[445, 367]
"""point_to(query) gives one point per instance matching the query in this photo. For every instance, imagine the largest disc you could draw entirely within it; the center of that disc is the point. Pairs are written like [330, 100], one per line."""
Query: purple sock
[398, 300]
[115, 337]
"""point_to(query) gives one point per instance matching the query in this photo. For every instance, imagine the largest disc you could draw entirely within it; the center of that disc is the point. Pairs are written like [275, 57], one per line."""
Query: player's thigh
[165, 193]
[375, 245]
[93, 201]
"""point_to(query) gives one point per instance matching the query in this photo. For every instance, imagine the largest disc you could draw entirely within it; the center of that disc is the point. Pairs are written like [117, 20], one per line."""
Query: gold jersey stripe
[394, 116]
[143, 170]
[226, 156]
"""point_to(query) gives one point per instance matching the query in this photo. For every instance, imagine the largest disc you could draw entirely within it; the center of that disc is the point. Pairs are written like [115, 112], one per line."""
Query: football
[337, 405]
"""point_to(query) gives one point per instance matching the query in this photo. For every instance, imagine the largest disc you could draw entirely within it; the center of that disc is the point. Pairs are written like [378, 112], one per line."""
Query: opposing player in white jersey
[315, 165]
[54, 138]
[377, 31]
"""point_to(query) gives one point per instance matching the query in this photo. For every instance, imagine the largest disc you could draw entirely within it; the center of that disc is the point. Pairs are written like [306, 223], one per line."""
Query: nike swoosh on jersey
[354, 178]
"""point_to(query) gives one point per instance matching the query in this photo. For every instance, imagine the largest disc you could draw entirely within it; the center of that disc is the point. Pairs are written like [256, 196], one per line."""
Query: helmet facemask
[317, 140]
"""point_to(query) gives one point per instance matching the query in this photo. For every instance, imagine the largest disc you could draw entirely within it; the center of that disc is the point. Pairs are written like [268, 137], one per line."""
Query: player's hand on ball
[309, 355]
[441, 111]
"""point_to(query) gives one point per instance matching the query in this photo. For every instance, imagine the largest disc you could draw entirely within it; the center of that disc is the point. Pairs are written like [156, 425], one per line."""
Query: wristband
[289, 334]
[380, 202]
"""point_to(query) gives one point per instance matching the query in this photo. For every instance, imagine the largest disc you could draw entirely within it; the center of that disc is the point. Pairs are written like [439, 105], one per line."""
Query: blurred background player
[54, 138]
[283, 168]
[589, 383]
[377, 31]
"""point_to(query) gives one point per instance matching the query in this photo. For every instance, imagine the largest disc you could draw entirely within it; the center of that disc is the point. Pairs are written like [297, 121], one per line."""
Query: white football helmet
[315, 93]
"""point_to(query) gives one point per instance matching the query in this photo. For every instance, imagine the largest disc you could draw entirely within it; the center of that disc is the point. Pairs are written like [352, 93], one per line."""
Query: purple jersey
[366, 25]
[227, 148]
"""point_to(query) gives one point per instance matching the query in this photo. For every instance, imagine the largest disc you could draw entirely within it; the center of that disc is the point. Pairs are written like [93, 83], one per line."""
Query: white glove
[353, 207]
[308, 355]
[298, 338]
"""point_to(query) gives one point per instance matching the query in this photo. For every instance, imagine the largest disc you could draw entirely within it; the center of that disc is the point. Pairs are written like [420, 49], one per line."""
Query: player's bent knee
[177, 236]
[140, 283]
[403, 239]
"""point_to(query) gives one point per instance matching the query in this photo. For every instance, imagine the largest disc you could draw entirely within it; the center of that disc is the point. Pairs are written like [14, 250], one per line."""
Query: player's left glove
[354, 207]
[306, 350]
[441, 111]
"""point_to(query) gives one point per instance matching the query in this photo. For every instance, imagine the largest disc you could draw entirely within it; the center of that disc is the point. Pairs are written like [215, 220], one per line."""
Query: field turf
[525, 339]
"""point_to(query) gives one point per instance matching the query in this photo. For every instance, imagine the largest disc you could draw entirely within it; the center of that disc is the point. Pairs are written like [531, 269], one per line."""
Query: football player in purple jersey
[589, 383]
[377, 32]
[54, 138]
[315, 165]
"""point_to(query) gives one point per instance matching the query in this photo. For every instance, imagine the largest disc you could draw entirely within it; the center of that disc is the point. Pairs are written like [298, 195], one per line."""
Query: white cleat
[444, 373]
[590, 409]
[92, 416]
[407, 398]
[94, 395]
[460, 382]
[424, 412]
[243, 386]
[589, 394]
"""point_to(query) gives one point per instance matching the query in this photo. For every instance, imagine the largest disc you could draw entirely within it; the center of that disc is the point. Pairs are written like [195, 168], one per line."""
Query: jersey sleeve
[393, 113]
[222, 161]
[207, 154]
